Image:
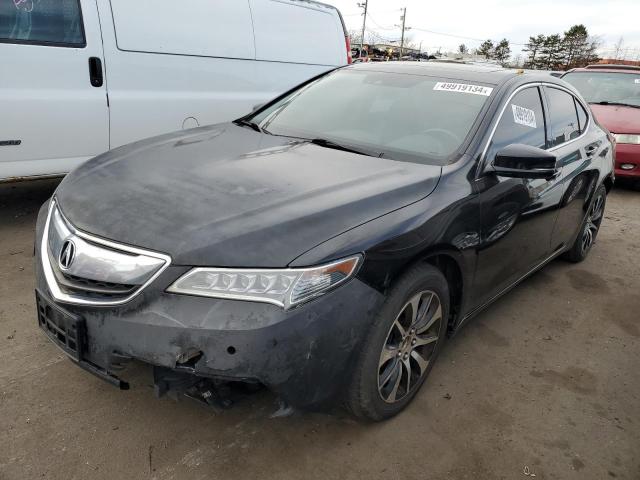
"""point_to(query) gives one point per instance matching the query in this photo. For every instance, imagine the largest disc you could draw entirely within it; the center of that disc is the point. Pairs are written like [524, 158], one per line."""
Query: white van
[79, 77]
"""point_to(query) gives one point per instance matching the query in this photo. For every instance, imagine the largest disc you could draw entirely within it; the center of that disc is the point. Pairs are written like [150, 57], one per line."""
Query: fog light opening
[189, 358]
[627, 166]
[231, 350]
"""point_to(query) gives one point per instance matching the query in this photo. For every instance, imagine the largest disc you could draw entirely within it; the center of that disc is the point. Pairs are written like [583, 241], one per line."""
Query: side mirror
[525, 161]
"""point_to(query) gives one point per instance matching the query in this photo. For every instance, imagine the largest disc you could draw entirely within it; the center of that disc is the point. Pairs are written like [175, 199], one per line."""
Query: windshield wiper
[622, 104]
[323, 142]
[248, 123]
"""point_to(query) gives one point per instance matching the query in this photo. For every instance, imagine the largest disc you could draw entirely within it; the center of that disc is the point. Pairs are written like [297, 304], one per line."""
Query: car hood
[618, 119]
[227, 195]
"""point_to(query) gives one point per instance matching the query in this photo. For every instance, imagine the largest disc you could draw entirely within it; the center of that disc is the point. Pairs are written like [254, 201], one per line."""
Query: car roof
[608, 68]
[489, 74]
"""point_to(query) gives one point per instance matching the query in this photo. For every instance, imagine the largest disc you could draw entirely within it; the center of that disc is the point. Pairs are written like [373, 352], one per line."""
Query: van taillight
[348, 43]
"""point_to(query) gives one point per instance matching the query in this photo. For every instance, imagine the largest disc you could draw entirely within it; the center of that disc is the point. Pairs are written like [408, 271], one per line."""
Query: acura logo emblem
[67, 254]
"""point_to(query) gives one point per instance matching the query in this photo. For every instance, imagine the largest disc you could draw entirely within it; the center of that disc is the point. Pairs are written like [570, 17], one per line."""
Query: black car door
[517, 215]
[577, 147]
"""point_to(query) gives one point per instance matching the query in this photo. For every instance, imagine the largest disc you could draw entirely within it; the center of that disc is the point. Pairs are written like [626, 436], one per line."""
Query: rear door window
[522, 122]
[563, 117]
[220, 28]
[42, 22]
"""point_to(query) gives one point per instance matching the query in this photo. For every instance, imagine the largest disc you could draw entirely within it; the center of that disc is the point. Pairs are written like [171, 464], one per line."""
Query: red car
[613, 92]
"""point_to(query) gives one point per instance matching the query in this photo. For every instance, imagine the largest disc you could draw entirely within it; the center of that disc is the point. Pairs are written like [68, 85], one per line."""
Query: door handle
[592, 148]
[95, 72]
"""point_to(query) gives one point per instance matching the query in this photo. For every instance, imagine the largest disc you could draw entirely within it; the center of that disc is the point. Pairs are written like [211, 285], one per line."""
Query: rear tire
[590, 227]
[403, 343]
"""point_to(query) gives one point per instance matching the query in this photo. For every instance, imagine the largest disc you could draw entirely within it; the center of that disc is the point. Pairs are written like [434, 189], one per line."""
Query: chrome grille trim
[154, 261]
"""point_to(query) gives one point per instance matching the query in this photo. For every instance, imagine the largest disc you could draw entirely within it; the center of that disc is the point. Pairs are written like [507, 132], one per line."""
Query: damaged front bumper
[304, 354]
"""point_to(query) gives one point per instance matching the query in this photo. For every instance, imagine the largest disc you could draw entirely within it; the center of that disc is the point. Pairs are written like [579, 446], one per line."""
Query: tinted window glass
[521, 122]
[404, 117]
[582, 116]
[41, 22]
[563, 118]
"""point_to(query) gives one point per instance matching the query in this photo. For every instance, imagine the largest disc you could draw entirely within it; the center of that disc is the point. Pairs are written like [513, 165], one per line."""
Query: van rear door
[298, 32]
[53, 117]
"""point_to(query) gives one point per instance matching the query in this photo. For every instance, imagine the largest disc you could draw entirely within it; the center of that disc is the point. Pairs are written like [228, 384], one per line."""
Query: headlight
[630, 138]
[282, 287]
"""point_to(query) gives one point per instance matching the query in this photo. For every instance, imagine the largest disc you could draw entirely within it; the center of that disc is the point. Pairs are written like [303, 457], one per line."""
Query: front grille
[86, 270]
[89, 288]
[94, 288]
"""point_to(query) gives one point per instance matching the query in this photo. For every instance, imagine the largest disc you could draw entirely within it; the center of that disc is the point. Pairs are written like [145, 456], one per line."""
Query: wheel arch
[608, 182]
[451, 263]
[450, 268]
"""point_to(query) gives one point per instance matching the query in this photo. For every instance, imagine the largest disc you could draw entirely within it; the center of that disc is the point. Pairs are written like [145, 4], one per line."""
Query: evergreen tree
[486, 49]
[552, 52]
[575, 48]
[502, 51]
[534, 47]
[575, 43]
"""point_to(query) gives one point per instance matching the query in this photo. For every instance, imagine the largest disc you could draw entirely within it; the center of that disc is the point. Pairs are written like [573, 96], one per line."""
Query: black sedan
[328, 244]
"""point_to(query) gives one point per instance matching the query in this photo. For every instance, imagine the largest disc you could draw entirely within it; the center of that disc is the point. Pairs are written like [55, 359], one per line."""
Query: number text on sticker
[463, 88]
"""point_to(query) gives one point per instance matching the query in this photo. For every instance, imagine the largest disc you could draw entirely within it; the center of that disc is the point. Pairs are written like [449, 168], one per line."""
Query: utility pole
[364, 22]
[404, 27]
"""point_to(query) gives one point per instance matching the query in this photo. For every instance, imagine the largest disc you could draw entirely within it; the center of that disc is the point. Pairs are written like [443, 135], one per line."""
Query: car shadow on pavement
[21, 200]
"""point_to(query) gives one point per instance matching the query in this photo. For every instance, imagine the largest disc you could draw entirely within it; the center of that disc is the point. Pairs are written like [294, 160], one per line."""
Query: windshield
[597, 87]
[400, 116]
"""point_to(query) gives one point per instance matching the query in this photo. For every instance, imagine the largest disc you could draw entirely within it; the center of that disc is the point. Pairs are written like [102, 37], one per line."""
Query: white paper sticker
[463, 88]
[637, 80]
[524, 116]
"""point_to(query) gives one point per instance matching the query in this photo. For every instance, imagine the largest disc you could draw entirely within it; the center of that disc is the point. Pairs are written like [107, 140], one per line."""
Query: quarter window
[42, 22]
[582, 116]
[522, 122]
[563, 117]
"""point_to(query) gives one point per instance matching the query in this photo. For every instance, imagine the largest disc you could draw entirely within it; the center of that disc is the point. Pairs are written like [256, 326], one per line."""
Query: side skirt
[479, 309]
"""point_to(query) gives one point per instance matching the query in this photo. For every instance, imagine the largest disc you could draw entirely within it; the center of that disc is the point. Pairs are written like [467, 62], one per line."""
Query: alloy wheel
[593, 223]
[409, 346]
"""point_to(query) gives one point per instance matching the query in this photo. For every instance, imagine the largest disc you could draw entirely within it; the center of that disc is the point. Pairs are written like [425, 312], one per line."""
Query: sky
[515, 20]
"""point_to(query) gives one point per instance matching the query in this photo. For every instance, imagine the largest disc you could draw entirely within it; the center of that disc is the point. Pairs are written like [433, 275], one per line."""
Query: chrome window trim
[483, 156]
[49, 275]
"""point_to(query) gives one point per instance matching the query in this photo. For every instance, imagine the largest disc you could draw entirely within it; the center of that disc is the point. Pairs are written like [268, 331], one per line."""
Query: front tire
[590, 227]
[402, 345]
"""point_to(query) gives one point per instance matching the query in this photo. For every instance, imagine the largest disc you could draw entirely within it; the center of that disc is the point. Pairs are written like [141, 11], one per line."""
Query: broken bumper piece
[304, 355]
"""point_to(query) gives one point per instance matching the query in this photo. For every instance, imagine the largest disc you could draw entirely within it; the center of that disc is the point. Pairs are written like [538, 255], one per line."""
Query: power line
[380, 26]
[460, 36]
[396, 28]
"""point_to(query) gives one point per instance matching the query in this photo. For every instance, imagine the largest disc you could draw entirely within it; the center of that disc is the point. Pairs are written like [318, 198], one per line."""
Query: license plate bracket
[66, 330]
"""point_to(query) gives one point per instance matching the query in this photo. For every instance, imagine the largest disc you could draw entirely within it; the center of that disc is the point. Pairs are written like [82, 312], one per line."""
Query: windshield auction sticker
[463, 88]
[524, 116]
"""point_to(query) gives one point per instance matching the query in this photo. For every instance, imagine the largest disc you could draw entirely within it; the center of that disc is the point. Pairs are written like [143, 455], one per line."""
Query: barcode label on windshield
[524, 116]
[463, 88]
